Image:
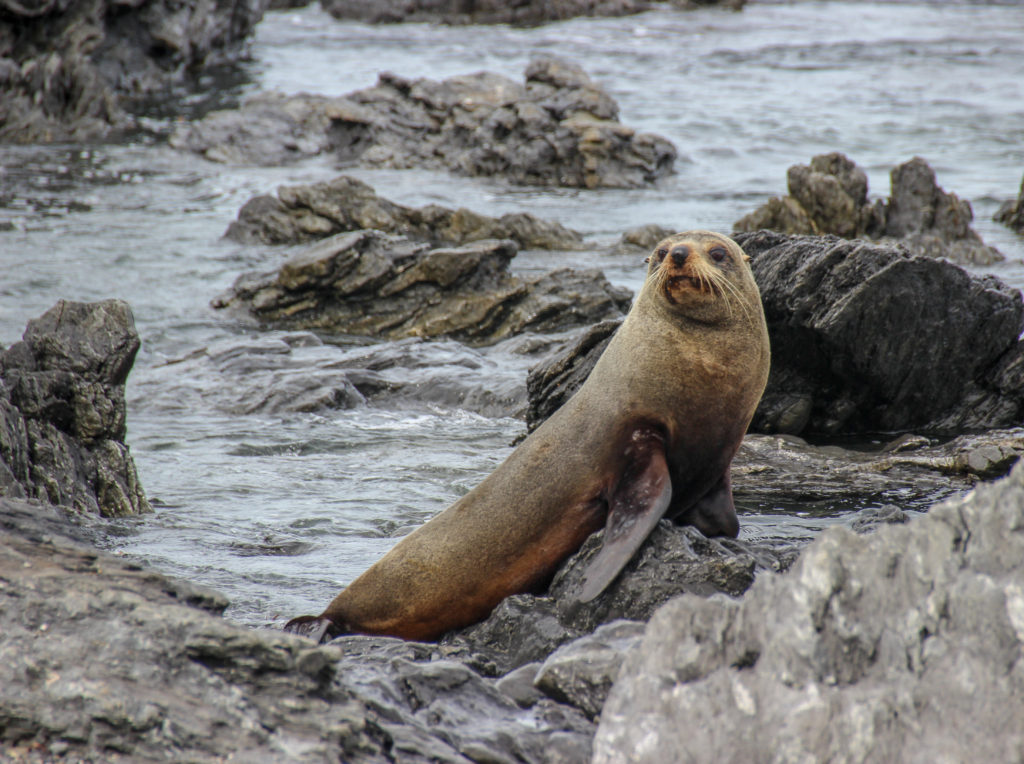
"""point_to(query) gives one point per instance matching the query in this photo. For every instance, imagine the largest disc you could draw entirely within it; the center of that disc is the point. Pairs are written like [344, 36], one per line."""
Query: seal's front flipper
[640, 499]
[714, 514]
[317, 628]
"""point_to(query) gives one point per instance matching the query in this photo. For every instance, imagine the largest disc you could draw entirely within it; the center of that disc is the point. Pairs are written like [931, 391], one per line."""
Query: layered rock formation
[830, 196]
[373, 284]
[308, 212]
[74, 71]
[558, 128]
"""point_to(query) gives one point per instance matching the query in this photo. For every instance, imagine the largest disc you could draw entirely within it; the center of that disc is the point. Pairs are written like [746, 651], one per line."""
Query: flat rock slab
[830, 196]
[306, 213]
[558, 128]
[373, 284]
[904, 645]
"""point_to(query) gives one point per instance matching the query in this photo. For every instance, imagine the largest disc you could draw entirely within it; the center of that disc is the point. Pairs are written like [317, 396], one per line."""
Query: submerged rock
[530, 13]
[864, 338]
[73, 71]
[1011, 212]
[62, 410]
[556, 129]
[373, 284]
[907, 644]
[830, 196]
[305, 213]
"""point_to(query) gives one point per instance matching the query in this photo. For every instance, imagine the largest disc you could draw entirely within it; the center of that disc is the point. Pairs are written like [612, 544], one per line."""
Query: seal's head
[704, 276]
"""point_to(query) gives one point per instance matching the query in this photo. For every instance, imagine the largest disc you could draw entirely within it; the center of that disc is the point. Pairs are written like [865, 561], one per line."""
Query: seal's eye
[661, 253]
[718, 254]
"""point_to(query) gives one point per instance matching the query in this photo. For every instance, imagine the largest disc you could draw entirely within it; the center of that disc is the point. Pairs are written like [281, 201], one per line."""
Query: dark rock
[864, 337]
[526, 628]
[530, 13]
[830, 196]
[558, 128]
[902, 645]
[306, 213]
[62, 410]
[373, 284]
[106, 661]
[73, 71]
[1011, 212]
[581, 673]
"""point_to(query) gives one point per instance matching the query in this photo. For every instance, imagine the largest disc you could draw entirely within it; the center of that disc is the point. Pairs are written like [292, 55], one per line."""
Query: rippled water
[279, 510]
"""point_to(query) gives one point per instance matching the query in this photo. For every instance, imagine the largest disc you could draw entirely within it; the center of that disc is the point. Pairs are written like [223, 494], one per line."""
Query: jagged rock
[305, 213]
[864, 338]
[106, 661]
[830, 196]
[62, 410]
[530, 13]
[73, 71]
[558, 128]
[904, 645]
[581, 673]
[373, 284]
[1011, 212]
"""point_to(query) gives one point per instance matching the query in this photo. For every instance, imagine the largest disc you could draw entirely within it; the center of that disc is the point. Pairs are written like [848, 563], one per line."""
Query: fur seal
[651, 433]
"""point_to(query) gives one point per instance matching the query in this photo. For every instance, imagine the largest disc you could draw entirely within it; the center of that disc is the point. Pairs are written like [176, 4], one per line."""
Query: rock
[305, 213]
[529, 13]
[525, 628]
[640, 240]
[73, 71]
[830, 196]
[904, 645]
[373, 284]
[1011, 212]
[865, 338]
[106, 661]
[518, 685]
[62, 410]
[877, 340]
[581, 673]
[556, 129]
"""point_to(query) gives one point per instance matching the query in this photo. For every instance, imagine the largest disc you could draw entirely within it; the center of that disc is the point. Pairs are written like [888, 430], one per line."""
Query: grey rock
[581, 672]
[75, 71]
[870, 519]
[640, 240]
[904, 645]
[306, 213]
[107, 661]
[1011, 212]
[830, 196]
[865, 338]
[62, 410]
[518, 685]
[530, 13]
[558, 128]
[372, 284]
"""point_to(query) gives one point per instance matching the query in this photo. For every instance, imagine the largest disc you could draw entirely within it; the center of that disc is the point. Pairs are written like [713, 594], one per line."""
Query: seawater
[280, 510]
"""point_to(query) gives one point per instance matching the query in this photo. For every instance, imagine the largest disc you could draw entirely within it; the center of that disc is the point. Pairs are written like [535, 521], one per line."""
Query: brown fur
[691, 360]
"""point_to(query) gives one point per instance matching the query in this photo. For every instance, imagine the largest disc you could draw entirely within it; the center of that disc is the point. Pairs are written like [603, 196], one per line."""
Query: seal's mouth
[685, 283]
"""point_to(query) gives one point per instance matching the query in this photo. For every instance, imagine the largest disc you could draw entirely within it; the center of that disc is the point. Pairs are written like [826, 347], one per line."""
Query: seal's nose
[679, 255]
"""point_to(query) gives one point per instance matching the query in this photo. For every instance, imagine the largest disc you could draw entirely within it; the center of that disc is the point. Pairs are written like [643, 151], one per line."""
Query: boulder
[830, 196]
[306, 213]
[75, 71]
[865, 338]
[558, 128]
[1011, 212]
[62, 410]
[373, 284]
[903, 645]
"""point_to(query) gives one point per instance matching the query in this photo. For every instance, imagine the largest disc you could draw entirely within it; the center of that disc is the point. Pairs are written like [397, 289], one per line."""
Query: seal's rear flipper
[715, 514]
[317, 628]
[640, 499]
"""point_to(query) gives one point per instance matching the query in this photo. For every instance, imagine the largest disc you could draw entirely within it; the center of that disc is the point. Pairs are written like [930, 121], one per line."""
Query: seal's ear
[746, 257]
[640, 499]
